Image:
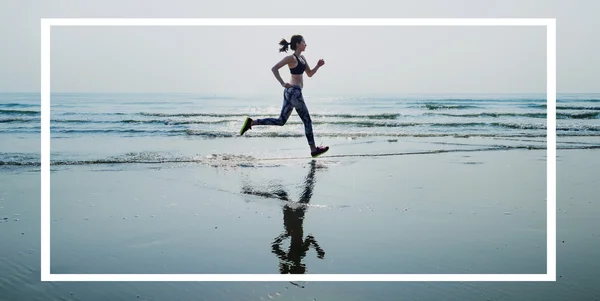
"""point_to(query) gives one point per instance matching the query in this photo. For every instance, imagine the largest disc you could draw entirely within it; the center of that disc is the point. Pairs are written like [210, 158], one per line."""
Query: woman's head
[295, 41]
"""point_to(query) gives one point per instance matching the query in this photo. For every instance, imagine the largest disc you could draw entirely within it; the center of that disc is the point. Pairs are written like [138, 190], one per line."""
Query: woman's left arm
[311, 72]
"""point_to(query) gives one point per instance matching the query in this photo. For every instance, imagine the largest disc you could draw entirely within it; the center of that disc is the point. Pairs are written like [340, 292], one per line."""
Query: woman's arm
[311, 72]
[286, 60]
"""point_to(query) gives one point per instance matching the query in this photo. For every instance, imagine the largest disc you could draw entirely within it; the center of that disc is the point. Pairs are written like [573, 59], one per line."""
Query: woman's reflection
[290, 262]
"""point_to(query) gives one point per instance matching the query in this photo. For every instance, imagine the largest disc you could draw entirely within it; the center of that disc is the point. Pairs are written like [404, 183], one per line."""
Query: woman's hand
[286, 85]
[320, 63]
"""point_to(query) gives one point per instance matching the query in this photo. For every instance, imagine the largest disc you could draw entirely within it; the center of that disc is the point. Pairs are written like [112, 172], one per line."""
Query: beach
[197, 219]
[381, 201]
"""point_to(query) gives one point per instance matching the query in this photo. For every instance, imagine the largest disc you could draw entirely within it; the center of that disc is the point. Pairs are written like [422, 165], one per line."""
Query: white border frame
[550, 24]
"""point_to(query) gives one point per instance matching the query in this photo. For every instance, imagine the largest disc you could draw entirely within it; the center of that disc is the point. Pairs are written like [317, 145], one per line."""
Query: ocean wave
[428, 130]
[179, 122]
[127, 121]
[446, 107]
[117, 130]
[94, 113]
[484, 99]
[442, 124]
[193, 114]
[562, 107]
[350, 134]
[18, 112]
[368, 116]
[560, 115]
[586, 115]
[489, 114]
[14, 104]
[578, 108]
[376, 120]
[16, 120]
[132, 158]
[586, 100]
[243, 161]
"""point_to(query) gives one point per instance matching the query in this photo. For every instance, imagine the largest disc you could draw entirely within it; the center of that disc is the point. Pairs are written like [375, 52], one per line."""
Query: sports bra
[299, 69]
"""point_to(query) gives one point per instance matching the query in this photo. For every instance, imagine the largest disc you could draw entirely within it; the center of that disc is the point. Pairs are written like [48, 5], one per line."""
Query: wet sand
[455, 212]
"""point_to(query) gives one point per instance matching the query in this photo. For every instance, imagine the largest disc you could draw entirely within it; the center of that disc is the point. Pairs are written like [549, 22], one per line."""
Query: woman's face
[302, 45]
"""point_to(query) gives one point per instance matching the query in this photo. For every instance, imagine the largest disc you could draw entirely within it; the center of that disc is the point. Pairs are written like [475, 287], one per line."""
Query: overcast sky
[237, 60]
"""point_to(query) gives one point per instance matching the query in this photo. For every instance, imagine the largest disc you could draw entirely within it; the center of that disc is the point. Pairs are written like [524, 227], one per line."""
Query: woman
[292, 95]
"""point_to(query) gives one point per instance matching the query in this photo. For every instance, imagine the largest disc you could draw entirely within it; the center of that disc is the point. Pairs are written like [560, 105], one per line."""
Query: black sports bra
[299, 69]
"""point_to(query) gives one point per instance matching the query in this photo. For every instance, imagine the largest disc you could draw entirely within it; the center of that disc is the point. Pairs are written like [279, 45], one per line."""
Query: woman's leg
[286, 111]
[292, 98]
[296, 99]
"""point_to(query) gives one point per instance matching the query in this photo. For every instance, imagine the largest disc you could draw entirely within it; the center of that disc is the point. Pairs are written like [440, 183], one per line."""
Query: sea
[88, 128]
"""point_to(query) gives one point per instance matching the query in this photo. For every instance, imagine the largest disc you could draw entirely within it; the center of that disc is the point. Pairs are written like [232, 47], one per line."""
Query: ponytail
[292, 44]
[284, 45]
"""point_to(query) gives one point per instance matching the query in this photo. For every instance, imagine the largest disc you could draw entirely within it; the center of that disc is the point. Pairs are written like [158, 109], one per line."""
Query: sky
[361, 60]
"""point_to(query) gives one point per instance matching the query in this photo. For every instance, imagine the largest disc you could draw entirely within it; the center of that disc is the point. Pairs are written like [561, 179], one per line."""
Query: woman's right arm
[286, 60]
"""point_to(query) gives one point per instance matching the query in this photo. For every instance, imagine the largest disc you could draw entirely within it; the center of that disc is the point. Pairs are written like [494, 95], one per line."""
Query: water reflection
[290, 260]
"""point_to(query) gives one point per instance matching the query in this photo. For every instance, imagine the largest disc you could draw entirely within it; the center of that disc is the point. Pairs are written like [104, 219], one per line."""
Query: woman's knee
[281, 121]
[306, 120]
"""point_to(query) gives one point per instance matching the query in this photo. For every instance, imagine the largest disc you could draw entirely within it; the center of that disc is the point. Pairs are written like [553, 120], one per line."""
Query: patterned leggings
[292, 98]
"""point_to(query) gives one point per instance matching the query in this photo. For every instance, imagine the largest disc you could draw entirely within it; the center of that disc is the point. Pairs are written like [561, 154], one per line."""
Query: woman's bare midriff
[296, 80]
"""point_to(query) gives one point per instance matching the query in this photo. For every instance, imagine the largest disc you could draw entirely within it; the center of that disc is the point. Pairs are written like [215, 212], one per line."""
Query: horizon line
[271, 92]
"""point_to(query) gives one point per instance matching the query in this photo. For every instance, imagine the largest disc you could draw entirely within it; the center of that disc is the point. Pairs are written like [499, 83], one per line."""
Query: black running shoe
[247, 126]
[320, 150]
